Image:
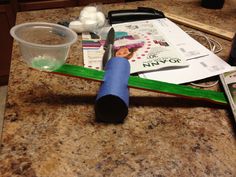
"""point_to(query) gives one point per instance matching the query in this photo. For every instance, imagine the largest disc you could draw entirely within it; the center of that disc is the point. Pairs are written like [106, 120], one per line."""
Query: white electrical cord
[205, 86]
[214, 46]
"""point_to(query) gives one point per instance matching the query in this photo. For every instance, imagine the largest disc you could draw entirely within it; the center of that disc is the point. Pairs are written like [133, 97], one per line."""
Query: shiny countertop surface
[50, 130]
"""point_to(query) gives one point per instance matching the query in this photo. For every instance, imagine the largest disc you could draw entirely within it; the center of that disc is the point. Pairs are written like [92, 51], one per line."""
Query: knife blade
[108, 47]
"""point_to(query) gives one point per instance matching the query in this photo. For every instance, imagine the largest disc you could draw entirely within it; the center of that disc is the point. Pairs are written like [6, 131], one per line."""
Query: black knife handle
[109, 53]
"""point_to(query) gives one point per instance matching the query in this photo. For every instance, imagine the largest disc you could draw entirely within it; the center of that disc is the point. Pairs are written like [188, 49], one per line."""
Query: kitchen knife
[112, 101]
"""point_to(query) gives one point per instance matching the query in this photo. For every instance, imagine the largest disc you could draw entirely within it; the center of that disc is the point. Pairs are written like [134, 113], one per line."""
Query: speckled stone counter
[49, 128]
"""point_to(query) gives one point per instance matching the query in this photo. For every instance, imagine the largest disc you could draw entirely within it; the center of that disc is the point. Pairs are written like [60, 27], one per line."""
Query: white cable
[199, 34]
[214, 46]
[216, 43]
[204, 85]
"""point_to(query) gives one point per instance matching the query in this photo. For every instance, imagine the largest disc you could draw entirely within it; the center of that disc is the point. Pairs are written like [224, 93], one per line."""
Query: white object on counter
[90, 20]
[90, 25]
[100, 19]
[76, 26]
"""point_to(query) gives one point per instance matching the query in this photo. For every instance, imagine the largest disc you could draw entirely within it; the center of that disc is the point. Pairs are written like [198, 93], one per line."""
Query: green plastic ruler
[146, 84]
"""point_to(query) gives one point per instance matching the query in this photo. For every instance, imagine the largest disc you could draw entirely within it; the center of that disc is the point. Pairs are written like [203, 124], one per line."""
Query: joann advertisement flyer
[140, 42]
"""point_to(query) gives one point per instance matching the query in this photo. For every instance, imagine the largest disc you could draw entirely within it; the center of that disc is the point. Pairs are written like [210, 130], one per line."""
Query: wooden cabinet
[7, 20]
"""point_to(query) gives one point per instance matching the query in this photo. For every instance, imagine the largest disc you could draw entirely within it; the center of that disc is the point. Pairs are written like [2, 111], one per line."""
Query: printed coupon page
[146, 48]
[202, 62]
[156, 49]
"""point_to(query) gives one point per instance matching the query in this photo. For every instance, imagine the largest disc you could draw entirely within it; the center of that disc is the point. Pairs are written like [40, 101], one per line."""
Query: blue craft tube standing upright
[112, 101]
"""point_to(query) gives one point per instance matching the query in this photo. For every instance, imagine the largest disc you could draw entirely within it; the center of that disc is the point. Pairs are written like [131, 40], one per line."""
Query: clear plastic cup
[44, 46]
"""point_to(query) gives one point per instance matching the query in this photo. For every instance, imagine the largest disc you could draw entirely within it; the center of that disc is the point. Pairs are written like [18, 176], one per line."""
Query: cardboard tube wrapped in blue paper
[112, 101]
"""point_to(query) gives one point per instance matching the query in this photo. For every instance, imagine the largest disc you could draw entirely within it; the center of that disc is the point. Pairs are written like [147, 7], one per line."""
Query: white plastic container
[44, 46]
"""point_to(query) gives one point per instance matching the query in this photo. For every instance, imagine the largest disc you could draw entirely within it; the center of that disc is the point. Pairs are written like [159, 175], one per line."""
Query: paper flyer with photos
[141, 43]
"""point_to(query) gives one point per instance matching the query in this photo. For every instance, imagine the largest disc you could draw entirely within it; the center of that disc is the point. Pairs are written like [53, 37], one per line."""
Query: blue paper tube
[112, 101]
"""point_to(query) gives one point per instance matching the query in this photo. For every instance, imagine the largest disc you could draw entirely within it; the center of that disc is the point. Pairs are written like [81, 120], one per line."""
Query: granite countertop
[49, 127]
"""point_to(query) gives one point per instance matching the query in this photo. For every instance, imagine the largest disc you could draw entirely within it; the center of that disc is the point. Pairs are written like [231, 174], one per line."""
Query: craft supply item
[90, 20]
[112, 101]
[232, 55]
[108, 47]
[228, 35]
[146, 84]
[90, 9]
[76, 26]
[113, 97]
[100, 19]
[87, 16]
[90, 25]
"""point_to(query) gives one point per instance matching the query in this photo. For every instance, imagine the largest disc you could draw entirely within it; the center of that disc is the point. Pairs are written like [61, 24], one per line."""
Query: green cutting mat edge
[146, 84]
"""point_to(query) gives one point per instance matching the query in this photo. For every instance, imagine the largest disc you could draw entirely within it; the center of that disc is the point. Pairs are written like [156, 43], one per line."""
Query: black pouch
[141, 13]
